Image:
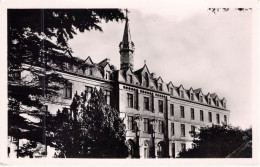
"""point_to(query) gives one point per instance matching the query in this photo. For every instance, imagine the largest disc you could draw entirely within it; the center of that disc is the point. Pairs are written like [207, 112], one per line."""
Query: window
[182, 112]
[146, 80]
[160, 86]
[201, 115]
[182, 130]
[108, 73]
[130, 100]
[108, 97]
[67, 91]
[70, 67]
[183, 146]
[130, 123]
[209, 101]
[130, 78]
[146, 103]
[224, 104]
[91, 71]
[171, 91]
[192, 128]
[146, 124]
[192, 115]
[192, 96]
[172, 109]
[172, 128]
[225, 119]
[145, 152]
[88, 90]
[160, 106]
[201, 99]
[218, 121]
[182, 94]
[161, 129]
[173, 150]
[210, 117]
[217, 103]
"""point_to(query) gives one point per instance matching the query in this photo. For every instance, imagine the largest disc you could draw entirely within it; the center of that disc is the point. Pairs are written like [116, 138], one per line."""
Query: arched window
[160, 151]
[146, 150]
[130, 145]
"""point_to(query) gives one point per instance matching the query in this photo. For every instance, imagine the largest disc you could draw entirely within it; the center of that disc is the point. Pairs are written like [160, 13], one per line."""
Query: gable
[170, 85]
[181, 87]
[145, 70]
[107, 68]
[159, 80]
[191, 90]
[89, 60]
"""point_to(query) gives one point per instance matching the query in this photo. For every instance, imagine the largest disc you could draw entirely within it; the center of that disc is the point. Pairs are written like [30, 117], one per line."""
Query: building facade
[159, 116]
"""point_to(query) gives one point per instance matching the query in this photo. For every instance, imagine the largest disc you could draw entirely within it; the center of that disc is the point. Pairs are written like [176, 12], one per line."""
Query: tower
[126, 48]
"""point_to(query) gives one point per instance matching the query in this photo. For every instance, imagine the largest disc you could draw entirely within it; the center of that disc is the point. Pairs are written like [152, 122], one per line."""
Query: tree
[91, 130]
[216, 141]
[38, 38]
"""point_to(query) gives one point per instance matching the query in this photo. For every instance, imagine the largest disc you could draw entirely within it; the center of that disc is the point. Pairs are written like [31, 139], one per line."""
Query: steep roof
[104, 62]
[127, 35]
[88, 60]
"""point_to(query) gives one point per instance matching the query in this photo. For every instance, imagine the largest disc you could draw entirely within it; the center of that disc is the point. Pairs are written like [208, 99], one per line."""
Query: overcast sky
[192, 46]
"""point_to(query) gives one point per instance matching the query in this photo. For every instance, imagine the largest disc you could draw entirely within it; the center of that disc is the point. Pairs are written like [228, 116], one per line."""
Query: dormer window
[201, 99]
[108, 75]
[160, 86]
[224, 104]
[217, 103]
[130, 78]
[171, 91]
[182, 94]
[209, 101]
[146, 80]
[90, 71]
[192, 96]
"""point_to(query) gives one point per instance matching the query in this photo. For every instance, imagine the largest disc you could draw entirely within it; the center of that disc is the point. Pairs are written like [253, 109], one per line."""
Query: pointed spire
[126, 47]
[127, 35]
[127, 41]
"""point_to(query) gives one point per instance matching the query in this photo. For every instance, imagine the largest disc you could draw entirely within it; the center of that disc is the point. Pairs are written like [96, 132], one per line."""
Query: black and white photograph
[175, 81]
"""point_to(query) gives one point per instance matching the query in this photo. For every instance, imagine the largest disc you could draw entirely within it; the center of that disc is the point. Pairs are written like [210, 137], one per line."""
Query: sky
[192, 46]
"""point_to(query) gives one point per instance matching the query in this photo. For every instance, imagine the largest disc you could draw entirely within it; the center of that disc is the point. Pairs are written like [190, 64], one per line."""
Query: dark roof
[197, 90]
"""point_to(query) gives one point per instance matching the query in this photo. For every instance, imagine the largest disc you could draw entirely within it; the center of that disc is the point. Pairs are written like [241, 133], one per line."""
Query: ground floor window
[183, 146]
[173, 150]
[146, 150]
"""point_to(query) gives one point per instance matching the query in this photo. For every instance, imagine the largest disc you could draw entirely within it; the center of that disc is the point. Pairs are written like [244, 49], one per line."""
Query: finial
[144, 61]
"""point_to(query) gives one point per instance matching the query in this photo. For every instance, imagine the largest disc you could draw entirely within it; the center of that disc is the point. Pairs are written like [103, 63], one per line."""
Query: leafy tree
[91, 130]
[216, 141]
[38, 38]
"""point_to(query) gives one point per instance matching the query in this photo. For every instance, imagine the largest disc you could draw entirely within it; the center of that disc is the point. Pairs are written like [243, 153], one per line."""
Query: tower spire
[126, 47]
[127, 35]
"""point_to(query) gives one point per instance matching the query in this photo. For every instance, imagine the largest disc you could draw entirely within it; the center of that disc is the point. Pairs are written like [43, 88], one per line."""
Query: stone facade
[158, 115]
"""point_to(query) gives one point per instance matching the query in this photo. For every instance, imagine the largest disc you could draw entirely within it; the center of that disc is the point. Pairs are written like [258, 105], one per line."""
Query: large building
[159, 116]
